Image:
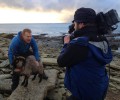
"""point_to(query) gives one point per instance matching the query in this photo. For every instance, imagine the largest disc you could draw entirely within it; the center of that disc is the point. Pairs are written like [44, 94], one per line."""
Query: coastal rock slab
[9, 36]
[61, 76]
[5, 85]
[5, 76]
[4, 63]
[35, 90]
[49, 61]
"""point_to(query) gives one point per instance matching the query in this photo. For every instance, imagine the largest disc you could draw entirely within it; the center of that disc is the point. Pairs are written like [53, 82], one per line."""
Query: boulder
[49, 61]
[4, 63]
[5, 86]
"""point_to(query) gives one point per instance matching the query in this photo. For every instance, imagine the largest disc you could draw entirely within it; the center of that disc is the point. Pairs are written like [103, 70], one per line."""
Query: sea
[52, 29]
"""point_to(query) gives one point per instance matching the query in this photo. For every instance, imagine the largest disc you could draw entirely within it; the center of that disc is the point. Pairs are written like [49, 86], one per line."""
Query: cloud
[60, 5]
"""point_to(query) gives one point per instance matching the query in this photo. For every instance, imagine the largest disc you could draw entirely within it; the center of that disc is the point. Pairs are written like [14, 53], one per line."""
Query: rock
[0, 50]
[61, 81]
[35, 90]
[44, 55]
[62, 90]
[1, 97]
[4, 63]
[9, 36]
[56, 67]
[5, 76]
[1, 72]
[68, 93]
[2, 34]
[49, 61]
[5, 48]
[48, 67]
[54, 95]
[52, 67]
[1, 55]
[5, 54]
[115, 53]
[6, 70]
[3, 58]
[117, 80]
[1, 61]
[114, 66]
[5, 85]
[61, 85]
[61, 76]
[115, 85]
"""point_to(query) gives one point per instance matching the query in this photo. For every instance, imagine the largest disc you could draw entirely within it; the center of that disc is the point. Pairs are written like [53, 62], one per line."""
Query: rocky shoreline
[49, 48]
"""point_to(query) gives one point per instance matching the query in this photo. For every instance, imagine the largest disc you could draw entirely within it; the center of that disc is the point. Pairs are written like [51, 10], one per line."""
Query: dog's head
[19, 62]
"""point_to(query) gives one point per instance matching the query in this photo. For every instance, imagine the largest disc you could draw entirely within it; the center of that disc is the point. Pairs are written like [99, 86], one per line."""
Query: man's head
[26, 35]
[83, 17]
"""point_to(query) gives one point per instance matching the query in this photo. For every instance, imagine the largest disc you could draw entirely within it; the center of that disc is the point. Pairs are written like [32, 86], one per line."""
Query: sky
[49, 11]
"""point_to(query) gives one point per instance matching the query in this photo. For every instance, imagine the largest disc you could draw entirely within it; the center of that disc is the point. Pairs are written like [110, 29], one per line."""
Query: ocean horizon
[52, 29]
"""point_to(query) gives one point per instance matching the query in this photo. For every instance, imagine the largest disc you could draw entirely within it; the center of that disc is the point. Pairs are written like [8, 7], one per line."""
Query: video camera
[105, 22]
[71, 28]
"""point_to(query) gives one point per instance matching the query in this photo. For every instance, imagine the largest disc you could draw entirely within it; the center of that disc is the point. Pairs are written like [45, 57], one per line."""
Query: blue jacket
[86, 77]
[17, 47]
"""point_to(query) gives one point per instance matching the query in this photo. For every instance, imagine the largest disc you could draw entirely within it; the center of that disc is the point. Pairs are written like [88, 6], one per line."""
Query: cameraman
[85, 57]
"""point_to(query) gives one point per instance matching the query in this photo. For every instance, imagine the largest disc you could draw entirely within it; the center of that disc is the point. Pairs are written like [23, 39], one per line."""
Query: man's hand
[67, 39]
[37, 63]
[18, 70]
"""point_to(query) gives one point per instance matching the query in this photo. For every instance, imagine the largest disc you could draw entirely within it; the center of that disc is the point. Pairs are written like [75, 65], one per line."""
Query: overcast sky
[49, 11]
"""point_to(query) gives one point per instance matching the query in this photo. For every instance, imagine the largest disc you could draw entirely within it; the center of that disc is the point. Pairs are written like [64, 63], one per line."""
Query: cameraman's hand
[67, 39]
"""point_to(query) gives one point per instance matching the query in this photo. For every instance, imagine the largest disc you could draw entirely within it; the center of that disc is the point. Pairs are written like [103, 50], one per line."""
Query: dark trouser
[16, 76]
[15, 80]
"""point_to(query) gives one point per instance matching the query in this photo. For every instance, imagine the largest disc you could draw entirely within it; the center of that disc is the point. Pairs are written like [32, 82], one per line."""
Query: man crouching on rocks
[20, 46]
